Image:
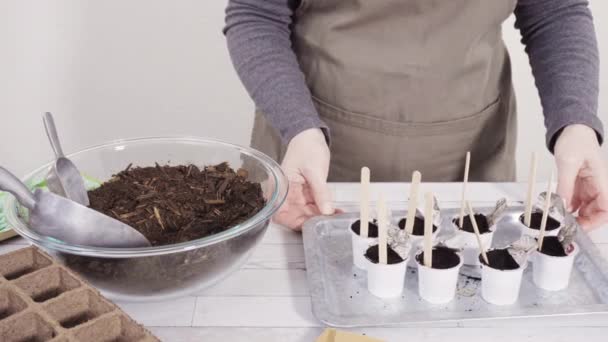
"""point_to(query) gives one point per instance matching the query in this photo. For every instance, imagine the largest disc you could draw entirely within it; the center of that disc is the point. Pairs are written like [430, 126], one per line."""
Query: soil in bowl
[173, 204]
[467, 226]
[418, 226]
[536, 219]
[553, 247]
[372, 254]
[372, 228]
[443, 258]
[500, 259]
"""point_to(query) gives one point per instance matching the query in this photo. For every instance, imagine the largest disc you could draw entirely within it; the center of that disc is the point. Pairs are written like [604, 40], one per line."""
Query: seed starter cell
[22, 262]
[41, 300]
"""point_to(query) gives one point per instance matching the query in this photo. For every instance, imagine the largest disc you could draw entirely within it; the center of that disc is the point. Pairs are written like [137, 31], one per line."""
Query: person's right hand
[306, 165]
[583, 175]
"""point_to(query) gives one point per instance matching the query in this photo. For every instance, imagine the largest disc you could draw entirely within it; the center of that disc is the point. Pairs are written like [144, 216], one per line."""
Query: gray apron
[407, 85]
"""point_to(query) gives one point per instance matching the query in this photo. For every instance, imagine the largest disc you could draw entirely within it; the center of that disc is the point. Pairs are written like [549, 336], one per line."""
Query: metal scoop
[64, 179]
[66, 220]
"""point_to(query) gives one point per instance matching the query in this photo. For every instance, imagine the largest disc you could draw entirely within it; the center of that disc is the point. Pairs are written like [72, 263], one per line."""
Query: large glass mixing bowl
[162, 272]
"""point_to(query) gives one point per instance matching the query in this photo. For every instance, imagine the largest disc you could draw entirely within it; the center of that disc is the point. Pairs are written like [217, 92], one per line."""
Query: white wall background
[116, 69]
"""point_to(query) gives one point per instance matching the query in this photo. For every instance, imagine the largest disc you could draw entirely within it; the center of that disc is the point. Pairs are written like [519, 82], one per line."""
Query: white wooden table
[267, 300]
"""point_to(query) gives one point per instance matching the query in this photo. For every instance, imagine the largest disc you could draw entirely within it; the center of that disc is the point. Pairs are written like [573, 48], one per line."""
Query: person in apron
[398, 86]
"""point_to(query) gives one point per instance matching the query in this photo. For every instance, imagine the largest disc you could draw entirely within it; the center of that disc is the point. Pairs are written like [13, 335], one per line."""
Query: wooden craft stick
[412, 202]
[364, 205]
[467, 164]
[531, 182]
[482, 248]
[543, 222]
[428, 230]
[382, 231]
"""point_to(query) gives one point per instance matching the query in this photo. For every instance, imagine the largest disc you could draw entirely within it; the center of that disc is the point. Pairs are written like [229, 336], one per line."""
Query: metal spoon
[66, 220]
[64, 179]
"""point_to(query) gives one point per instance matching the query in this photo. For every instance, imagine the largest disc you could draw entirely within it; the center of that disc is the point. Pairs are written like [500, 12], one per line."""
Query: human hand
[582, 175]
[306, 165]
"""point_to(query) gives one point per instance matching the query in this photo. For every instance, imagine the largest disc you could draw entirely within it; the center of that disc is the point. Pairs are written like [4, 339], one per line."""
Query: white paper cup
[469, 245]
[360, 246]
[386, 281]
[501, 287]
[417, 241]
[437, 286]
[552, 273]
[535, 232]
[470, 252]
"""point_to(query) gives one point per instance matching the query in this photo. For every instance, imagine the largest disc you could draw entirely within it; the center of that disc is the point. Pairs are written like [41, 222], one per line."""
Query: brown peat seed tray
[41, 300]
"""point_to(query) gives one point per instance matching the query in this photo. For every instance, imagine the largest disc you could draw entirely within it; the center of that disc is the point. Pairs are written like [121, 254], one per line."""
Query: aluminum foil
[399, 240]
[496, 214]
[567, 234]
[521, 249]
[396, 238]
[436, 213]
[557, 210]
[456, 240]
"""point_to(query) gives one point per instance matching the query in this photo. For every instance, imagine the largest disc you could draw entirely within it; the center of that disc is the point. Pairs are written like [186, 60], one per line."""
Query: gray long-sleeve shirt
[558, 34]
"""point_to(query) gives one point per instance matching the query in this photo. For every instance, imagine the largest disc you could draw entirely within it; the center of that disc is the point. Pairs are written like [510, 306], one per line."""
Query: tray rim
[325, 316]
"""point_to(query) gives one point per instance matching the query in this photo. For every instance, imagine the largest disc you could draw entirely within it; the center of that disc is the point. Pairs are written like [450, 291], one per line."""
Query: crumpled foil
[521, 249]
[399, 240]
[567, 234]
[557, 210]
[499, 209]
[436, 213]
[396, 238]
[457, 240]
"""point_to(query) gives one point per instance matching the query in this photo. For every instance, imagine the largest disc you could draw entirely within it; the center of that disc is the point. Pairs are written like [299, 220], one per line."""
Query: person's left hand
[582, 175]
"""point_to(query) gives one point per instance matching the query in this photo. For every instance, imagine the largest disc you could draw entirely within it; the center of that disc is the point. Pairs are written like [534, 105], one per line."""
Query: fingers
[308, 196]
[297, 209]
[593, 211]
[297, 194]
[567, 173]
[593, 214]
[579, 194]
[320, 191]
[599, 171]
[294, 217]
[593, 221]
[305, 200]
[576, 203]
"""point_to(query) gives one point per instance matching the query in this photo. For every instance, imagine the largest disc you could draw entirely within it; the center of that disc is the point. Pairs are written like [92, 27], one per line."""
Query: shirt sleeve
[258, 34]
[560, 41]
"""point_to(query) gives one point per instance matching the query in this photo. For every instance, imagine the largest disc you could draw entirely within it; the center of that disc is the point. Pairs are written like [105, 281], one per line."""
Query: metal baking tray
[339, 290]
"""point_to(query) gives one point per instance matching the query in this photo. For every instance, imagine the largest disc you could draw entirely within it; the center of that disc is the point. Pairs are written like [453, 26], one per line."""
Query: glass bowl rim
[276, 199]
